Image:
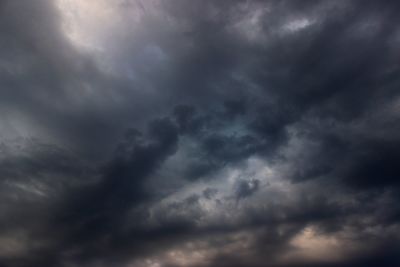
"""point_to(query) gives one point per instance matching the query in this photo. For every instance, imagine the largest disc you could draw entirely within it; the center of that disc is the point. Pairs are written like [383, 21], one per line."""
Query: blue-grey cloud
[199, 133]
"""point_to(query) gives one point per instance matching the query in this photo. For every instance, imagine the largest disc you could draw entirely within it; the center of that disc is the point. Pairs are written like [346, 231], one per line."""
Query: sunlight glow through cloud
[199, 133]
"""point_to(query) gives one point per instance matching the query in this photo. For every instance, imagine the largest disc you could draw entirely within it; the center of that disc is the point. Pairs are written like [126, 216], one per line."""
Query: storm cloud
[199, 133]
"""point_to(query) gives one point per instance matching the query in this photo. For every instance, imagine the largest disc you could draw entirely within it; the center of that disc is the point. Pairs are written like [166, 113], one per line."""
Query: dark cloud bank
[199, 133]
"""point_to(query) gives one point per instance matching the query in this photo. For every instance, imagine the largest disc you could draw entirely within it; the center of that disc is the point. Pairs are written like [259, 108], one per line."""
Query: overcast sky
[199, 133]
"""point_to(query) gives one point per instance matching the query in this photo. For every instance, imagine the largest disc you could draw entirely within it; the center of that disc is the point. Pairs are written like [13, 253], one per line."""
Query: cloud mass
[199, 133]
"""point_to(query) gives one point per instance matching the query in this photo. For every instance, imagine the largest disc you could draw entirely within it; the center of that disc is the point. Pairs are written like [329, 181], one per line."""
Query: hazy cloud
[199, 133]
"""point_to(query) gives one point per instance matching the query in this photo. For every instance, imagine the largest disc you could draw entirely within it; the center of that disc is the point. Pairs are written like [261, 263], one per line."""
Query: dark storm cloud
[247, 188]
[290, 108]
[99, 211]
[35, 178]
[209, 192]
[60, 91]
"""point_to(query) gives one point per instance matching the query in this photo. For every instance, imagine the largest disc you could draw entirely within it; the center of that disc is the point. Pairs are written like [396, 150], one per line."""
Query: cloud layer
[199, 133]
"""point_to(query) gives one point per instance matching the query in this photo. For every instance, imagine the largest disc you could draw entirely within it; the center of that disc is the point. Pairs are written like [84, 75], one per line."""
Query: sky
[199, 133]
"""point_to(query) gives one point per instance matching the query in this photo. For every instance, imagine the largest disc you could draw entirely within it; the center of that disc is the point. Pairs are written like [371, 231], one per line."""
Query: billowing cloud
[199, 133]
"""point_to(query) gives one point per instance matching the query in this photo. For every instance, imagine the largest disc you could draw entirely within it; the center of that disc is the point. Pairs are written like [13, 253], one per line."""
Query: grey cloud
[211, 100]
[246, 188]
